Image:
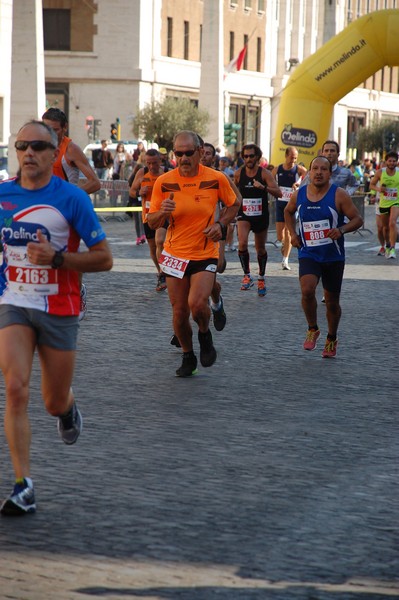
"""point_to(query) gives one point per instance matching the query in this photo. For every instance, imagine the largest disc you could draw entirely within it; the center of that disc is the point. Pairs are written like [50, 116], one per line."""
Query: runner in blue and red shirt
[42, 221]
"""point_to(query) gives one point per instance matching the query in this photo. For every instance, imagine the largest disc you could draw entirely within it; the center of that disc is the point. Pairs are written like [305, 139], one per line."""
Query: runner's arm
[96, 258]
[236, 176]
[157, 219]
[346, 206]
[271, 184]
[290, 222]
[136, 185]
[305, 180]
[235, 189]
[228, 214]
[302, 174]
[218, 230]
[74, 155]
[374, 183]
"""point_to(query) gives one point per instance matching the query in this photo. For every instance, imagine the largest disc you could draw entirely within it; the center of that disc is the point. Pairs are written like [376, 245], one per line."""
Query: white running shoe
[285, 265]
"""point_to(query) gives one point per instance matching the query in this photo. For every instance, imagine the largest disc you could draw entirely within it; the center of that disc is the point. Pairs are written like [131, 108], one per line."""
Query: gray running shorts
[51, 330]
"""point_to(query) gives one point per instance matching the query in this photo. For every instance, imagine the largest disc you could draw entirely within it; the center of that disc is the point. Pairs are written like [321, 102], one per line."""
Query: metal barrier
[111, 190]
[358, 201]
[272, 220]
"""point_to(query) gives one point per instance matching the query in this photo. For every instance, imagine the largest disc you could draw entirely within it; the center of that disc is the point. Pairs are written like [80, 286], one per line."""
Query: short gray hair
[50, 130]
[188, 133]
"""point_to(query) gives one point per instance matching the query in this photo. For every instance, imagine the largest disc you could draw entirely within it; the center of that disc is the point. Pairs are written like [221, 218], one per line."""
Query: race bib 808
[315, 232]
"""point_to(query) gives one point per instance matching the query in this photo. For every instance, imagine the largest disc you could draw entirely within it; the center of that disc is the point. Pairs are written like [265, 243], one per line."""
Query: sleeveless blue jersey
[315, 220]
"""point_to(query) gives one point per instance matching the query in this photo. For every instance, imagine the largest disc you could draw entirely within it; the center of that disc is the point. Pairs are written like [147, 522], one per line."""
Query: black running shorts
[331, 273]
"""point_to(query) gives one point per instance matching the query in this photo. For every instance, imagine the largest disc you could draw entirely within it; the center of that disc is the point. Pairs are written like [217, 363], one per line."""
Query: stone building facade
[106, 58]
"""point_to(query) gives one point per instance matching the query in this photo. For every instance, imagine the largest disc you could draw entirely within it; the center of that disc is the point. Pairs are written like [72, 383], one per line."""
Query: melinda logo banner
[345, 61]
[301, 138]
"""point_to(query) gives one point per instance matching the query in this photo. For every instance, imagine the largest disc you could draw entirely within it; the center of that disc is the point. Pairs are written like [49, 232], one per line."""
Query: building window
[57, 96]
[356, 122]
[186, 39]
[261, 6]
[231, 46]
[57, 28]
[259, 54]
[252, 132]
[245, 65]
[247, 4]
[349, 12]
[200, 41]
[170, 37]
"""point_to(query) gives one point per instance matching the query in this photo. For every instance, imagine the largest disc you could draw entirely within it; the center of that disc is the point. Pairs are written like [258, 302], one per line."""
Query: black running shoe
[70, 426]
[219, 317]
[208, 353]
[188, 365]
[161, 283]
[174, 340]
[20, 502]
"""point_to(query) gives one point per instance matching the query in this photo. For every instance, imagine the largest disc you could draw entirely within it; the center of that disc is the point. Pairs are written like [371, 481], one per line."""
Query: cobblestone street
[272, 475]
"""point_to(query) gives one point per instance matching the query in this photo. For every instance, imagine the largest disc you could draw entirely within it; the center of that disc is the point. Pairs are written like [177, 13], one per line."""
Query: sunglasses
[36, 145]
[249, 156]
[180, 153]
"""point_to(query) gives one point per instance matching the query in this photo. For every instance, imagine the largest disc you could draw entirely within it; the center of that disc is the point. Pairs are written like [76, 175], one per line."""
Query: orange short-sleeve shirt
[148, 180]
[196, 203]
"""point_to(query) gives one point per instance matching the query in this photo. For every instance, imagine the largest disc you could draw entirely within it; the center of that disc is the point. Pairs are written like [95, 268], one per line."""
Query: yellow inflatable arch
[345, 61]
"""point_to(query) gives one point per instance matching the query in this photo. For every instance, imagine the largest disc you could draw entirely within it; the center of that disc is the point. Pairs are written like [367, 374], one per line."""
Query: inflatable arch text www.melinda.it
[349, 58]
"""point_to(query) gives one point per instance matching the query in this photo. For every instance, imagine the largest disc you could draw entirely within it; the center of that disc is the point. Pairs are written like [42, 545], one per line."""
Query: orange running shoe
[261, 288]
[247, 282]
[330, 348]
[311, 339]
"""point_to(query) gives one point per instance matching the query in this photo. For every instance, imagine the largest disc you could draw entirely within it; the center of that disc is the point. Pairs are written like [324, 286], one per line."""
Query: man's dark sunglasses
[249, 156]
[36, 145]
[180, 153]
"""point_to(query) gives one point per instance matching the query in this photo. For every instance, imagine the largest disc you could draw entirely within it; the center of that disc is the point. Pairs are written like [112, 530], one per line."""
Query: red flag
[237, 62]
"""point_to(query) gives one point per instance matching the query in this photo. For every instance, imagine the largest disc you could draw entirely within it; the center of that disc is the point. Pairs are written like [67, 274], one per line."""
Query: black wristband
[223, 229]
[58, 260]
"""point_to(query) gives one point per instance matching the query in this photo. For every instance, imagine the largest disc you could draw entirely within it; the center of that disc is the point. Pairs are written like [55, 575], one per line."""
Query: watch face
[57, 260]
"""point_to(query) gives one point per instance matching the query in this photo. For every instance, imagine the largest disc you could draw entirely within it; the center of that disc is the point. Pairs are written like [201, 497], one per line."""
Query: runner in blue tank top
[288, 176]
[321, 208]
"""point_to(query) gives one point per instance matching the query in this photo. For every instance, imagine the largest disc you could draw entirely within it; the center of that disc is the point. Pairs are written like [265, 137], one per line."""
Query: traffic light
[114, 132]
[230, 133]
[96, 124]
[118, 128]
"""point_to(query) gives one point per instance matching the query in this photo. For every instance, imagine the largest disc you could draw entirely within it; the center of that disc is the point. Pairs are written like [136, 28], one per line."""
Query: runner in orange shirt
[142, 186]
[188, 197]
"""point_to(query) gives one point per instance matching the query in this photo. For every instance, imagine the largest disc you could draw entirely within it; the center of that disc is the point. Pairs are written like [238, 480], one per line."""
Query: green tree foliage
[159, 121]
[379, 137]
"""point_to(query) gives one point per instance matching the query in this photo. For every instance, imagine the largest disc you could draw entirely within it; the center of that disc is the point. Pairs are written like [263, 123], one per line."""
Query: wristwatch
[223, 229]
[341, 230]
[58, 260]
